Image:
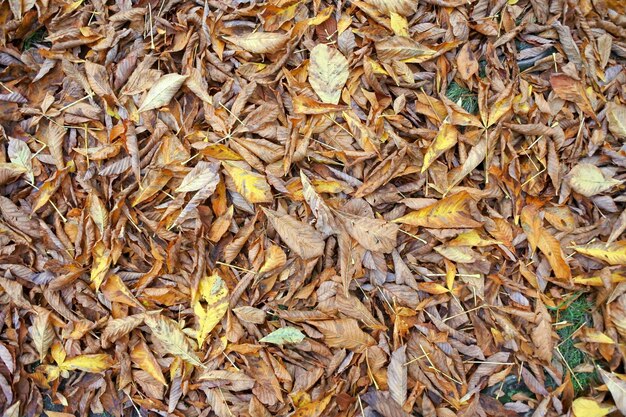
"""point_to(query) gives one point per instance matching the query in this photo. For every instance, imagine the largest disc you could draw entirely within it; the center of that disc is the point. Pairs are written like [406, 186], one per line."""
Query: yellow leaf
[213, 291]
[399, 24]
[219, 151]
[114, 289]
[450, 274]
[501, 106]
[313, 409]
[597, 281]
[586, 407]
[274, 258]
[432, 288]
[101, 263]
[87, 363]
[472, 238]
[611, 253]
[445, 139]
[252, 186]
[151, 184]
[448, 213]
[143, 357]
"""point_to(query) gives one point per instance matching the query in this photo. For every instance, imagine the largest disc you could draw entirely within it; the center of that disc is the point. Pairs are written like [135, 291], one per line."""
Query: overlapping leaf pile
[312, 208]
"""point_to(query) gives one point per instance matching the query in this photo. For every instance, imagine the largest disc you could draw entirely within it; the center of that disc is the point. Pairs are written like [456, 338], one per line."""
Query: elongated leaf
[611, 253]
[373, 234]
[162, 92]
[450, 212]
[445, 139]
[259, 42]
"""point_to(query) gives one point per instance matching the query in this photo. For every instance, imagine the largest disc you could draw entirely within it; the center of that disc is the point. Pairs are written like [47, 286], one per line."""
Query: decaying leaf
[212, 291]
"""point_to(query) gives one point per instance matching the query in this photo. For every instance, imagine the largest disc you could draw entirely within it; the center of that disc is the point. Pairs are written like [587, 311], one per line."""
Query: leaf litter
[312, 208]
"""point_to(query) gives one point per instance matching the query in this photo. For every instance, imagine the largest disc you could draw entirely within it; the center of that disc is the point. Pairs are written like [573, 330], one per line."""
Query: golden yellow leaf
[88, 363]
[432, 288]
[588, 334]
[445, 139]
[212, 290]
[221, 152]
[586, 407]
[252, 186]
[114, 289]
[597, 281]
[611, 253]
[143, 357]
[472, 238]
[274, 258]
[313, 409]
[151, 184]
[399, 24]
[101, 263]
[448, 213]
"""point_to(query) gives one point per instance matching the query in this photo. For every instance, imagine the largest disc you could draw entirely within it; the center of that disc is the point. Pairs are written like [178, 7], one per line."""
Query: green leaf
[284, 335]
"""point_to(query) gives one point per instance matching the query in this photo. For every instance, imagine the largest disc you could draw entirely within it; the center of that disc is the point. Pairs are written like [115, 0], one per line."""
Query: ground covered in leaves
[312, 208]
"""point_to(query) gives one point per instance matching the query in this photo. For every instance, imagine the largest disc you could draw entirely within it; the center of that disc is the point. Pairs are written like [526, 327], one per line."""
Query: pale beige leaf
[397, 375]
[162, 92]
[200, 175]
[42, 332]
[617, 385]
[328, 73]
[589, 180]
[616, 115]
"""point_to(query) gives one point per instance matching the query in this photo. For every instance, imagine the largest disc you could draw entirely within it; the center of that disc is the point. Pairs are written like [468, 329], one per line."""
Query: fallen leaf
[328, 73]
